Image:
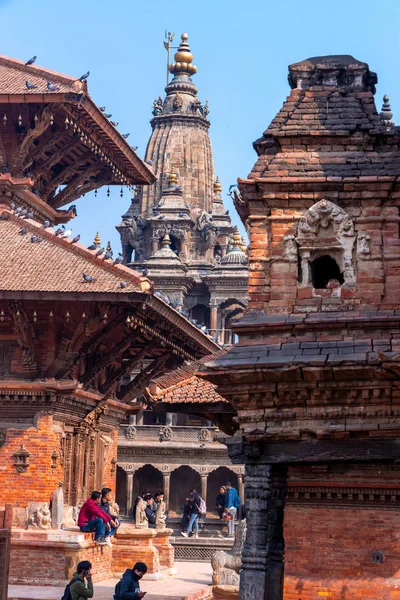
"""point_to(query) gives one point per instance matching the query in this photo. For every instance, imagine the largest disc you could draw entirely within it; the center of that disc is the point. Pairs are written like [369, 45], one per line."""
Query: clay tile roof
[183, 385]
[14, 73]
[54, 265]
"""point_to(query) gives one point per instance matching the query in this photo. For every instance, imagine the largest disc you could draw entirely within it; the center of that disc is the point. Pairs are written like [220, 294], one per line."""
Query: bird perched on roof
[18, 210]
[161, 217]
[88, 278]
[23, 212]
[60, 230]
[23, 231]
[231, 187]
[66, 233]
[123, 284]
[114, 124]
[145, 272]
[227, 212]
[30, 61]
[35, 239]
[84, 77]
[51, 87]
[30, 86]
[4, 217]
[29, 215]
[150, 162]
[92, 247]
[12, 206]
[99, 252]
[134, 148]
[178, 188]
[126, 135]
[5, 170]
[181, 214]
[72, 209]
[109, 115]
[119, 259]
[102, 108]
[108, 255]
[76, 239]
[46, 224]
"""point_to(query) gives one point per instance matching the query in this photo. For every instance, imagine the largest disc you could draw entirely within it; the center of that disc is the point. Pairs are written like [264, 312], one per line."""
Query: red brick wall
[40, 480]
[329, 553]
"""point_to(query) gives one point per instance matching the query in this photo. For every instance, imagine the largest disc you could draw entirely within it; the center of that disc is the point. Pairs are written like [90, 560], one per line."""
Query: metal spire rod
[167, 45]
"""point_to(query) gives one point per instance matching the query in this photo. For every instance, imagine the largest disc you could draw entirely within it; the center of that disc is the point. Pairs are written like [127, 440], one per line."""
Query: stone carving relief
[140, 517]
[157, 106]
[326, 229]
[161, 516]
[290, 247]
[57, 507]
[131, 432]
[40, 518]
[363, 246]
[205, 435]
[208, 231]
[166, 434]
[226, 565]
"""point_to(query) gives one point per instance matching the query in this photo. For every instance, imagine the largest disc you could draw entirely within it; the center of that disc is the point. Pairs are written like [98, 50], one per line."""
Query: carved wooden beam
[92, 420]
[127, 367]
[42, 170]
[40, 151]
[24, 333]
[75, 189]
[160, 365]
[41, 125]
[110, 356]
[67, 172]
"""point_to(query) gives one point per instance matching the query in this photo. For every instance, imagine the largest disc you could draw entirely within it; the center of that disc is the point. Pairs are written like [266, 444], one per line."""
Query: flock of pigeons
[53, 88]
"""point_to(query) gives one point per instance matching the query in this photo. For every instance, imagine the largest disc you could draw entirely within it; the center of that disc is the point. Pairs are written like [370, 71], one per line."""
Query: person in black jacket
[128, 588]
[150, 511]
[194, 506]
[220, 501]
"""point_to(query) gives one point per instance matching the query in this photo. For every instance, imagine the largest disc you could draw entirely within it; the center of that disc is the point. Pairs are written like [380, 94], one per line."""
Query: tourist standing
[128, 588]
[186, 514]
[194, 512]
[232, 503]
[151, 510]
[81, 585]
[220, 501]
[92, 518]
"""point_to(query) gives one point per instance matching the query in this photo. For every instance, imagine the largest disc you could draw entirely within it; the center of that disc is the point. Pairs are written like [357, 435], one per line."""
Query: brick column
[213, 319]
[241, 487]
[261, 577]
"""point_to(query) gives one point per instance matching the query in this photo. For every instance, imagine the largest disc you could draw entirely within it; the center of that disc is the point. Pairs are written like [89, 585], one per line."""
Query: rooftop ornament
[386, 112]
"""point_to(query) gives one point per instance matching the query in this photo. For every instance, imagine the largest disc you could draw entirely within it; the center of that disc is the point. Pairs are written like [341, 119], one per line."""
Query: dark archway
[176, 245]
[120, 492]
[183, 479]
[201, 313]
[147, 478]
[323, 270]
[215, 480]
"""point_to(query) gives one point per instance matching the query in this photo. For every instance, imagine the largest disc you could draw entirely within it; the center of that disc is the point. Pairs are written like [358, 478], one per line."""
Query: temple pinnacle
[217, 186]
[172, 179]
[183, 59]
[97, 240]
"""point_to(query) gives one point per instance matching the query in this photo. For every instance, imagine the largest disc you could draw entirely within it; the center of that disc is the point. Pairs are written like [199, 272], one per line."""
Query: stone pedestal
[132, 545]
[51, 557]
[164, 547]
[225, 592]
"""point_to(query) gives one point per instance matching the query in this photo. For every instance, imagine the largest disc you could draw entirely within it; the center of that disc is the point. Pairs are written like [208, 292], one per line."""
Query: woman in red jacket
[92, 518]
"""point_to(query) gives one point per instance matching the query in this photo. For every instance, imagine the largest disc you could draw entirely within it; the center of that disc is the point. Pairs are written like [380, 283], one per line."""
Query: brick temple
[80, 335]
[315, 375]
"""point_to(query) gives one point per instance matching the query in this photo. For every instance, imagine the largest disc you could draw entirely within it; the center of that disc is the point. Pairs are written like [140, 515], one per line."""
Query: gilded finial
[236, 238]
[217, 186]
[108, 249]
[97, 240]
[243, 247]
[172, 179]
[386, 112]
[166, 241]
[183, 58]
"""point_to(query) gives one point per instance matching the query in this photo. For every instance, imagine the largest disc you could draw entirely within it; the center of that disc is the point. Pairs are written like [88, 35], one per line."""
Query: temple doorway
[215, 480]
[147, 478]
[183, 479]
[120, 491]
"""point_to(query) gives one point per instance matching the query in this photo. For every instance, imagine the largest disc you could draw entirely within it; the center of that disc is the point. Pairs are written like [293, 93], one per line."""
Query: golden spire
[183, 58]
[172, 179]
[217, 186]
[97, 240]
[236, 241]
[243, 247]
[108, 249]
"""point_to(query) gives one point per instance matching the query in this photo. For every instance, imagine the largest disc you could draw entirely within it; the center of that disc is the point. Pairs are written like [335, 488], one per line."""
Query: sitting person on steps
[92, 518]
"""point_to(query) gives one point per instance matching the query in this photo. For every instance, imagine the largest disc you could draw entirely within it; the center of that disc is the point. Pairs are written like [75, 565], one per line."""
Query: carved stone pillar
[168, 419]
[155, 242]
[132, 419]
[129, 490]
[213, 319]
[166, 485]
[305, 268]
[241, 487]
[204, 477]
[139, 418]
[262, 559]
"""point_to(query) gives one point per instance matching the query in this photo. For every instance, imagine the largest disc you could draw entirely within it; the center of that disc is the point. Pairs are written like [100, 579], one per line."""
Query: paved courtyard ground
[192, 582]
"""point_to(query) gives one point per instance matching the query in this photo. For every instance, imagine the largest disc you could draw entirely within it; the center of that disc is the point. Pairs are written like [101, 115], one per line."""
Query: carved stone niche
[325, 240]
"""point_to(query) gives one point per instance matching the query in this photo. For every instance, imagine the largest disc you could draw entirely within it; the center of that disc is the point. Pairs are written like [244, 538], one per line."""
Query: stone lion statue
[226, 565]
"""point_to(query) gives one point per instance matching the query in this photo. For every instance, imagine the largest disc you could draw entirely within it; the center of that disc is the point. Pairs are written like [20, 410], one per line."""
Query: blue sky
[241, 49]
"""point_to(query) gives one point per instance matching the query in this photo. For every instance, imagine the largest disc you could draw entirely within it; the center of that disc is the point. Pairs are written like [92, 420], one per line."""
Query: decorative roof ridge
[161, 392]
[125, 273]
[15, 63]
[186, 372]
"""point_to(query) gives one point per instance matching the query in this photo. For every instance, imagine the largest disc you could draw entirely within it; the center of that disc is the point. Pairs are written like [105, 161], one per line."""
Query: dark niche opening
[325, 270]
[175, 244]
